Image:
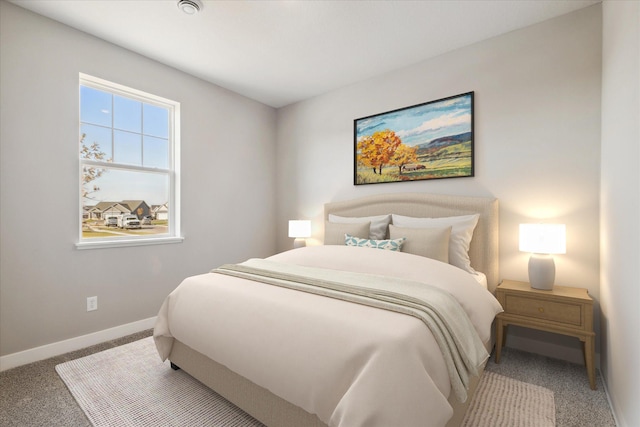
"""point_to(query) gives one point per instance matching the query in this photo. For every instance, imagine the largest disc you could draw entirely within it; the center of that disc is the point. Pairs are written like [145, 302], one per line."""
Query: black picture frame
[432, 140]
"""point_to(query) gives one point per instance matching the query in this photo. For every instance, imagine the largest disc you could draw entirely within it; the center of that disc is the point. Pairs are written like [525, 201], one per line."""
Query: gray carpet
[576, 404]
[34, 394]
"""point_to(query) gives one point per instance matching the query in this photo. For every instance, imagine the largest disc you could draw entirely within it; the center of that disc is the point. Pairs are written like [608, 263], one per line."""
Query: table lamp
[542, 240]
[300, 230]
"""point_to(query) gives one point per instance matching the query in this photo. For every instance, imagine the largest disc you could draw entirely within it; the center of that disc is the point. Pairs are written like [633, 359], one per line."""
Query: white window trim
[115, 243]
[174, 235]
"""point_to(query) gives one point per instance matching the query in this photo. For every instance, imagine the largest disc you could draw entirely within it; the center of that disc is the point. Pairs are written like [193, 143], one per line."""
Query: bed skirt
[259, 402]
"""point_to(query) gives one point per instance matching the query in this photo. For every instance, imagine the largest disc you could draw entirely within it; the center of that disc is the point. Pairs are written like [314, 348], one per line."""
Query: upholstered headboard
[483, 251]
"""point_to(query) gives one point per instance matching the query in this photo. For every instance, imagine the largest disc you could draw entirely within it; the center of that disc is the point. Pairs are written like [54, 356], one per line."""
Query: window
[129, 168]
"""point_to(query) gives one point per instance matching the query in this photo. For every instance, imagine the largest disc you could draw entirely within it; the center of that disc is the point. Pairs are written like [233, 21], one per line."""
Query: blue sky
[420, 124]
[132, 133]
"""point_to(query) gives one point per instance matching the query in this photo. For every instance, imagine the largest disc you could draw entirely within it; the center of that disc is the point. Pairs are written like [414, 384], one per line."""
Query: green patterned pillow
[389, 245]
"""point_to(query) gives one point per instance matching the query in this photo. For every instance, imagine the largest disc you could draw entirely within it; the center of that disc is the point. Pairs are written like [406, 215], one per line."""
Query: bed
[241, 366]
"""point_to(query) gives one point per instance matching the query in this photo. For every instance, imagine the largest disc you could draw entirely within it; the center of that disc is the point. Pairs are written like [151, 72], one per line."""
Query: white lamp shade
[543, 238]
[299, 228]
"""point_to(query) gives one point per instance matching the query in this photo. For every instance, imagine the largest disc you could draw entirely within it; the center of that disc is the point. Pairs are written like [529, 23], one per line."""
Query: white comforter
[350, 364]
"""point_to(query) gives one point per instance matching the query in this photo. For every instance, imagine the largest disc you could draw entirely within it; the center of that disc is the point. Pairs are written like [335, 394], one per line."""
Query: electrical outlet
[92, 303]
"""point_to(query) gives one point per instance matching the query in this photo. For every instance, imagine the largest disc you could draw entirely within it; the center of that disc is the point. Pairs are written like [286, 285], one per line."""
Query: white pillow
[379, 223]
[461, 233]
[388, 244]
[427, 242]
[334, 232]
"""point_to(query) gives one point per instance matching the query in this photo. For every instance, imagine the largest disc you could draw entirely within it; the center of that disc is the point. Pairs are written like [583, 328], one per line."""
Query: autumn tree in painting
[404, 155]
[378, 149]
[366, 152]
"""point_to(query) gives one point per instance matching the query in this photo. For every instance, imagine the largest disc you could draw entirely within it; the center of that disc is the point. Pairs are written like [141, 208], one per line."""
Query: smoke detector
[190, 7]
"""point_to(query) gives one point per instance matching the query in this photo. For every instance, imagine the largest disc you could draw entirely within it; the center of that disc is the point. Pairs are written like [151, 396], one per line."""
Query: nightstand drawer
[560, 312]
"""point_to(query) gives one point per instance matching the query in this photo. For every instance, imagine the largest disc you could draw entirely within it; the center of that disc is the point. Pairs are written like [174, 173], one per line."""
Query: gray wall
[620, 208]
[44, 280]
[537, 141]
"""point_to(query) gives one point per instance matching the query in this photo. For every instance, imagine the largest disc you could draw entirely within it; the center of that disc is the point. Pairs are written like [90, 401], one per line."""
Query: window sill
[128, 242]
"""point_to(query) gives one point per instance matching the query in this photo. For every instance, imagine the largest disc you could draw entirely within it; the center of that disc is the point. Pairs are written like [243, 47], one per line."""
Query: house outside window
[129, 166]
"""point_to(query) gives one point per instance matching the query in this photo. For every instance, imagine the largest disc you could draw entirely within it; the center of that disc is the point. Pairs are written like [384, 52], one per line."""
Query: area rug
[504, 402]
[130, 386]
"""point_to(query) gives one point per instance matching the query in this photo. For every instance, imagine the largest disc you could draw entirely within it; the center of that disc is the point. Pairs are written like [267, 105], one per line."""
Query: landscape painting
[426, 141]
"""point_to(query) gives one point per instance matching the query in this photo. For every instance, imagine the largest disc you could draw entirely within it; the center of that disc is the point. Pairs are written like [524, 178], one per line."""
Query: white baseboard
[616, 420]
[55, 349]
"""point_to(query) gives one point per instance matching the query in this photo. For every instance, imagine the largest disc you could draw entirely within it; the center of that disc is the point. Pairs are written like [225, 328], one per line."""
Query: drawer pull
[541, 310]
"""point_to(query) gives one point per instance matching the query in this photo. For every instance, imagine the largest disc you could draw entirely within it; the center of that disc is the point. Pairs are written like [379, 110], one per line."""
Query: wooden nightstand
[563, 310]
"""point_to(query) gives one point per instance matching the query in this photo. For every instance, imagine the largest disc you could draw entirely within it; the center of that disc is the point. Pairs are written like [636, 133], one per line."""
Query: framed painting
[433, 140]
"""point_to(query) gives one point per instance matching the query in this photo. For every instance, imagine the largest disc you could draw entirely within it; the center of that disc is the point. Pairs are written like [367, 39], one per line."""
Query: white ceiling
[281, 52]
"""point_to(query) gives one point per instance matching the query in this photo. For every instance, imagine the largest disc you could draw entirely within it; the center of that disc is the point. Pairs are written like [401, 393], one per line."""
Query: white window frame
[173, 235]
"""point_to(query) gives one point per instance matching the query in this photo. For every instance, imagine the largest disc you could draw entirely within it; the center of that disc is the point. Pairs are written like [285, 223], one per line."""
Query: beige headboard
[483, 251]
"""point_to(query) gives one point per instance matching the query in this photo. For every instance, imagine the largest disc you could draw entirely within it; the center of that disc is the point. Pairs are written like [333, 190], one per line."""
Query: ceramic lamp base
[542, 272]
[299, 243]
